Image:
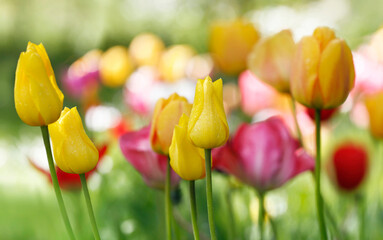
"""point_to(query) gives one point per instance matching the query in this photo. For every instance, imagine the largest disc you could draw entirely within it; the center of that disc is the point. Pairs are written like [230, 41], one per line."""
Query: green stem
[229, 204]
[55, 182]
[193, 209]
[89, 206]
[209, 195]
[261, 214]
[168, 203]
[273, 225]
[360, 204]
[318, 196]
[294, 109]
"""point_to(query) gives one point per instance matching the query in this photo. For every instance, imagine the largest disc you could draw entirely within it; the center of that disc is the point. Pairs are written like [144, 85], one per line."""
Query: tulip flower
[263, 155]
[74, 152]
[186, 160]
[349, 166]
[115, 66]
[146, 49]
[136, 148]
[230, 43]
[208, 126]
[173, 62]
[375, 110]
[38, 100]
[271, 60]
[322, 73]
[325, 115]
[70, 181]
[167, 113]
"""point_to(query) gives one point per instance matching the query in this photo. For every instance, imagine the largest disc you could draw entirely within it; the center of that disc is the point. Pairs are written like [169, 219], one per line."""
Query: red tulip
[69, 181]
[325, 115]
[137, 150]
[350, 164]
[263, 155]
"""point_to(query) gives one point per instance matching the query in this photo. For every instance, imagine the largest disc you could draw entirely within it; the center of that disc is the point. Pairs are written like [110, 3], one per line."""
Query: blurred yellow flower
[173, 62]
[375, 111]
[38, 100]
[74, 152]
[230, 43]
[167, 113]
[186, 160]
[322, 73]
[208, 126]
[115, 66]
[146, 49]
[271, 59]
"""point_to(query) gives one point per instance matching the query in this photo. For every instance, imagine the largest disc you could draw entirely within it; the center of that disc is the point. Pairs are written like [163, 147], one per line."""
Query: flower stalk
[60, 201]
[318, 196]
[168, 203]
[209, 195]
[193, 209]
[89, 206]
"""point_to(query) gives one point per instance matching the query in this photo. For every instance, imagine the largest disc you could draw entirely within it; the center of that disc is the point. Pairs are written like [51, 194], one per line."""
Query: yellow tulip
[208, 126]
[186, 160]
[38, 99]
[322, 73]
[375, 110]
[230, 43]
[167, 113]
[74, 152]
[115, 66]
[271, 60]
[146, 49]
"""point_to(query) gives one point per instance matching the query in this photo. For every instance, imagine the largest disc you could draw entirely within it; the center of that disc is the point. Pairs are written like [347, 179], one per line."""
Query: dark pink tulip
[152, 166]
[263, 155]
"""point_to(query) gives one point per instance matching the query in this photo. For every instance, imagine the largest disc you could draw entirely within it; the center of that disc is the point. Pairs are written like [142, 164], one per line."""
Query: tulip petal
[336, 73]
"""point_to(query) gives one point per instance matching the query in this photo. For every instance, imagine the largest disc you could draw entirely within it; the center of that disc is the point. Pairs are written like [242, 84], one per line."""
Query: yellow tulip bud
[375, 110]
[38, 99]
[74, 152]
[115, 66]
[271, 60]
[208, 126]
[322, 73]
[186, 160]
[166, 114]
[230, 43]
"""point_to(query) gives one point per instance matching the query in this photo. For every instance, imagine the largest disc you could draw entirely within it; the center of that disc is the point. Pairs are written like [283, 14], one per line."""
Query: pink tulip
[263, 155]
[152, 166]
[255, 94]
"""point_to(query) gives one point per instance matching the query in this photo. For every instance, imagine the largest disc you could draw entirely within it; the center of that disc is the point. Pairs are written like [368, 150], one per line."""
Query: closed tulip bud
[115, 66]
[186, 160]
[375, 111]
[322, 73]
[38, 99]
[208, 126]
[74, 152]
[167, 113]
[271, 60]
[230, 44]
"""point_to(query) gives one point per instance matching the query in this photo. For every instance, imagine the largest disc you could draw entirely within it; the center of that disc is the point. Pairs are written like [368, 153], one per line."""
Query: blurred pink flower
[255, 94]
[152, 166]
[263, 155]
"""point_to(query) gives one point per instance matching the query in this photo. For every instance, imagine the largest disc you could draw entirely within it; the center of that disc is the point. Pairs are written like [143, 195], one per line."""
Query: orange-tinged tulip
[230, 43]
[271, 60]
[322, 73]
[167, 113]
[208, 126]
[38, 100]
[146, 49]
[74, 152]
[115, 66]
[187, 160]
[375, 111]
